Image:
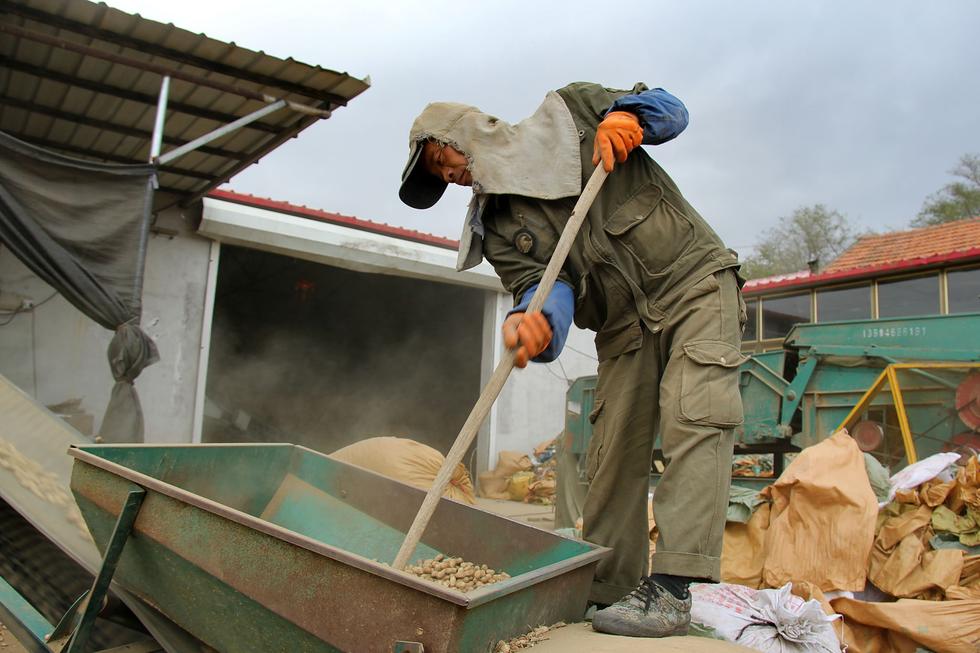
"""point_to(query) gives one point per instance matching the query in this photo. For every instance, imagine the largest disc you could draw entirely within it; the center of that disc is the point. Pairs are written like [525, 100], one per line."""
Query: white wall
[531, 407]
[173, 309]
[55, 353]
[68, 350]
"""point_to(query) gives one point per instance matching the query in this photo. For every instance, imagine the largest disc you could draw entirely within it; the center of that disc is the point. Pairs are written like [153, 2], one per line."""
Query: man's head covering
[538, 157]
[420, 189]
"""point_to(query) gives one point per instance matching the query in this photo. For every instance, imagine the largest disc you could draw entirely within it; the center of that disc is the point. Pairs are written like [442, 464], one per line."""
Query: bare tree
[956, 200]
[811, 235]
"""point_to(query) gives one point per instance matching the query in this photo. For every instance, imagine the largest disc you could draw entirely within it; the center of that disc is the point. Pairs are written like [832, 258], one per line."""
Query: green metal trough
[274, 547]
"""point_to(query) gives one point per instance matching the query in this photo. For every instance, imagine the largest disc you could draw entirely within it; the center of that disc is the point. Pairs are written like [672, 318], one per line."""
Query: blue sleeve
[559, 309]
[662, 116]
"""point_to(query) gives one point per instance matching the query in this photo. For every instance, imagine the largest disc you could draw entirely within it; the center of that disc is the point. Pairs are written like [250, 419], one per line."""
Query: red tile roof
[876, 255]
[927, 242]
[334, 218]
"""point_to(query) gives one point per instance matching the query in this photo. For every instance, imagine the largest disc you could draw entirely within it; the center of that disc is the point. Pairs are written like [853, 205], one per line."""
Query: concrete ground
[531, 513]
[580, 638]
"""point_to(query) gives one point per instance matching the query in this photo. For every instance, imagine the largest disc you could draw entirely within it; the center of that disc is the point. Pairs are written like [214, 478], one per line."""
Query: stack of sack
[758, 465]
[408, 461]
[927, 539]
[520, 477]
[898, 568]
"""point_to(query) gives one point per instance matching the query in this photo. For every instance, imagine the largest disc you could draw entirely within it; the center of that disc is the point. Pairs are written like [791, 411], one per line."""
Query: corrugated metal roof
[87, 106]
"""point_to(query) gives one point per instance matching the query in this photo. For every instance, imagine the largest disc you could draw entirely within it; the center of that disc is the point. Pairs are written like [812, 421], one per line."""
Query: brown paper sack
[823, 518]
[518, 485]
[511, 462]
[903, 626]
[744, 549]
[912, 570]
[407, 461]
[493, 486]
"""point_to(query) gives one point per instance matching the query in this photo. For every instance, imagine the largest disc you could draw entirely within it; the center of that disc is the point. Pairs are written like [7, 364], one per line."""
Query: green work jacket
[641, 246]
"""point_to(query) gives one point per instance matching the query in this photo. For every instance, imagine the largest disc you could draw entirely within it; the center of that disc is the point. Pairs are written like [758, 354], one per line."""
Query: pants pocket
[709, 384]
[595, 443]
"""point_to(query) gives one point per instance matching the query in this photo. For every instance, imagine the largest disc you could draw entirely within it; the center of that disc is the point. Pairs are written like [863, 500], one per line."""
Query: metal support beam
[794, 392]
[903, 417]
[864, 401]
[915, 370]
[114, 549]
[105, 125]
[253, 157]
[106, 156]
[219, 132]
[768, 376]
[158, 123]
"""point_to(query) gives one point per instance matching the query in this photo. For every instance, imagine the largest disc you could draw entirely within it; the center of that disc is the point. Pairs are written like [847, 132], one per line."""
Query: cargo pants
[683, 383]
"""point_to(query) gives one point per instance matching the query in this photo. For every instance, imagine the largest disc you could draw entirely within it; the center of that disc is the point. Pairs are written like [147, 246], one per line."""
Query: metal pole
[221, 131]
[114, 549]
[864, 402]
[157, 142]
[903, 417]
[204, 352]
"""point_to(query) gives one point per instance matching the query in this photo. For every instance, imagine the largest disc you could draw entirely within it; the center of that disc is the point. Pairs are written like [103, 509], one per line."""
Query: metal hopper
[277, 547]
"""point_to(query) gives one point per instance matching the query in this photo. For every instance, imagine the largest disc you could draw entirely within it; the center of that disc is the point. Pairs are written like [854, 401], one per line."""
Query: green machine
[904, 387]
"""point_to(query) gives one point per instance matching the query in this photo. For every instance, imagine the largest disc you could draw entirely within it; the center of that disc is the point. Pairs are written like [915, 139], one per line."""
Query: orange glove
[528, 334]
[617, 135]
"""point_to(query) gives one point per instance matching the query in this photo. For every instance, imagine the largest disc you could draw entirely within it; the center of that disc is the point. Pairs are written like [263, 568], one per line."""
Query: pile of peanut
[454, 573]
[527, 640]
[42, 484]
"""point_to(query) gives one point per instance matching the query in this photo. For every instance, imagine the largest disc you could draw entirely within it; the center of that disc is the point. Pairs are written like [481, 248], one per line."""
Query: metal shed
[85, 79]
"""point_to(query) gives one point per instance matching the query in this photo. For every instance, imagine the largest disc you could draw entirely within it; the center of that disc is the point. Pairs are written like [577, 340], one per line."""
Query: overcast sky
[862, 106]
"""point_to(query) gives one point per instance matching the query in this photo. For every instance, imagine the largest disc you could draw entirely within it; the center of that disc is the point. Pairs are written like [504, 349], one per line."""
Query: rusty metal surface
[259, 585]
[455, 528]
[348, 558]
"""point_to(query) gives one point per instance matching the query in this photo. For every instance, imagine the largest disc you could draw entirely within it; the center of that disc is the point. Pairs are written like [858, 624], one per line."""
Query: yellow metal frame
[890, 375]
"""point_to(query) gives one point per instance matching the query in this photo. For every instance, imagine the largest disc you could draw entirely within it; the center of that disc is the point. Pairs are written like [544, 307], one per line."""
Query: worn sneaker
[648, 611]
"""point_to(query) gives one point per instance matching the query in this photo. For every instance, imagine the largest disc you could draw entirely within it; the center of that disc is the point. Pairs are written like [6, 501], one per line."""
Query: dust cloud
[323, 357]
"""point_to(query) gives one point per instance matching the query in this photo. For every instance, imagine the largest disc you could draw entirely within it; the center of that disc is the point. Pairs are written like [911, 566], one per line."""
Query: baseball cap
[420, 189]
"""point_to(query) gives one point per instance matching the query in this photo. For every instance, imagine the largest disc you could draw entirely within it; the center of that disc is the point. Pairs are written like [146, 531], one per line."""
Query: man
[655, 283]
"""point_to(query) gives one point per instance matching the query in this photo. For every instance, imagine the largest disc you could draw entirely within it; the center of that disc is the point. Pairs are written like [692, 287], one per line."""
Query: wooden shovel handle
[499, 377]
